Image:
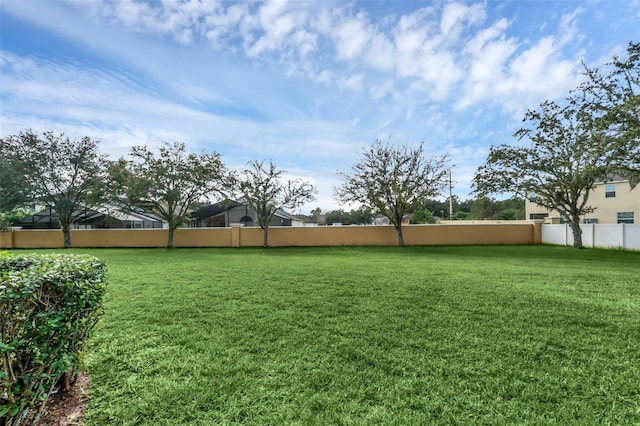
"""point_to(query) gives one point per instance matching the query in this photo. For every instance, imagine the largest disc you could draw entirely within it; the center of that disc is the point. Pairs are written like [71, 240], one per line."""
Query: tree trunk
[66, 232]
[577, 232]
[265, 237]
[170, 240]
[400, 236]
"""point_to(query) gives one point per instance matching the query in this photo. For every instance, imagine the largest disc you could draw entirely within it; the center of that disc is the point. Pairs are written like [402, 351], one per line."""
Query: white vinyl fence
[623, 235]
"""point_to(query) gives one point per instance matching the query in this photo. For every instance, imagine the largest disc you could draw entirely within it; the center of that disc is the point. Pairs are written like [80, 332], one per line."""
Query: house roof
[223, 206]
[214, 209]
[133, 216]
[614, 178]
[281, 213]
[50, 215]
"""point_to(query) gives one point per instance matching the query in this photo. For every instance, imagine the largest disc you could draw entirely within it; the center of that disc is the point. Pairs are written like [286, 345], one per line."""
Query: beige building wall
[626, 200]
[519, 233]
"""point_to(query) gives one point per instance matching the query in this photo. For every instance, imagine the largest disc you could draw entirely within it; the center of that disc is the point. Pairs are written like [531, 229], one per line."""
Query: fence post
[235, 236]
[622, 242]
[537, 233]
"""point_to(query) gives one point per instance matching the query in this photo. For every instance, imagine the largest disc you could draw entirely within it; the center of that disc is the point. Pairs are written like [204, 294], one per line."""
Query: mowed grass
[377, 335]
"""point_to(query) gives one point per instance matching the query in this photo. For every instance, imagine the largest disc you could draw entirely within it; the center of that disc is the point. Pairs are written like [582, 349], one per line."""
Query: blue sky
[307, 84]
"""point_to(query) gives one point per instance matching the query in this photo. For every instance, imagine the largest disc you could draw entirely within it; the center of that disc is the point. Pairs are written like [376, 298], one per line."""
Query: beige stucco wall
[520, 233]
[607, 209]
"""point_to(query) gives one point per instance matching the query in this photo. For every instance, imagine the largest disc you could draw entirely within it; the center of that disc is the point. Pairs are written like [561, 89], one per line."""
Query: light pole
[450, 197]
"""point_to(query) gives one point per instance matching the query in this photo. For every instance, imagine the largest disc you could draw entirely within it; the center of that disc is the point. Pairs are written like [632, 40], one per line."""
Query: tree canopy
[51, 170]
[393, 180]
[168, 183]
[612, 97]
[360, 216]
[264, 190]
[422, 216]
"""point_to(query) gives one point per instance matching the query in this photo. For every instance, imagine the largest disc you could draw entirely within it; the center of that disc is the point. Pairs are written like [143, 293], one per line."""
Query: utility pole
[450, 197]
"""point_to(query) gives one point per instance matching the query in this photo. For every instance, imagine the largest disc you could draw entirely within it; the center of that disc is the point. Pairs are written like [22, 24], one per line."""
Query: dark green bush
[48, 306]
[422, 216]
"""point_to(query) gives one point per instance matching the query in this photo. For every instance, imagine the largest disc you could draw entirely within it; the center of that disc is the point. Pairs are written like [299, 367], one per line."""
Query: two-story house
[614, 202]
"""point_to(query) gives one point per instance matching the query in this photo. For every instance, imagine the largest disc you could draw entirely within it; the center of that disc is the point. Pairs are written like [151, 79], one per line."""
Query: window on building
[609, 191]
[625, 217]
[538, 216]
[590, 220]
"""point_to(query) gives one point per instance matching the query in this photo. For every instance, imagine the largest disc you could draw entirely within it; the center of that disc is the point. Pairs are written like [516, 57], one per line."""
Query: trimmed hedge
[48, 306]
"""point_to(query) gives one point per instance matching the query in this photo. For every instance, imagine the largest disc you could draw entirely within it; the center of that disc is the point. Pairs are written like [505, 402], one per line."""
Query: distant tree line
[477, 209]
[430, 211]
[361, 216]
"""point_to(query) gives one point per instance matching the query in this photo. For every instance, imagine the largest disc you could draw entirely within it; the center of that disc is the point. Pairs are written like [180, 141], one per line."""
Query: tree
[567, 157]
[4, 224]
[593, 137]
[613, 99]
[461, 215]
[337, 216]
[9, 219]
[317, 216]
[169, 184]
[361, 216]
[13, 189]
[512, 209]
[509, 214]
[57, 172]
[422, 216]
[483, 208]
[393, 180]
[265, 192]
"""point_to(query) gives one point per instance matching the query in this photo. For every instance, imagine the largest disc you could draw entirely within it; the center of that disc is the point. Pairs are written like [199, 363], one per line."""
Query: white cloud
[421, 55]
[353, 82]
[133, 14]
[275, 24]
[351, 36]
[384, 90]
[305, 41]
[489, 52]
[333, 42]
[182, 19]
[569, 32]
[502, 73]
[539, 71]
[223, 25]
[380, 53]
[455, 15]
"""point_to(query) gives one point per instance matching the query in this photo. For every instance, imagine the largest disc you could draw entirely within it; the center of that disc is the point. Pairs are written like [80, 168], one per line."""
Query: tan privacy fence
[521, 233]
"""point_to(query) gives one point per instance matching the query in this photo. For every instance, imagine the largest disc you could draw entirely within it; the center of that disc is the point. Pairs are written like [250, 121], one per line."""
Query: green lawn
[413, 335]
